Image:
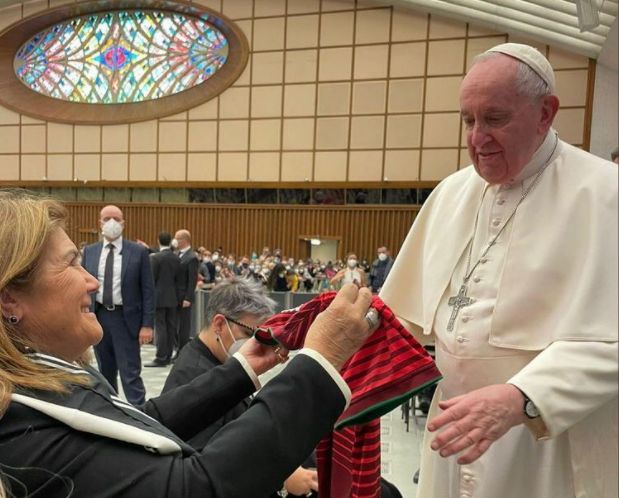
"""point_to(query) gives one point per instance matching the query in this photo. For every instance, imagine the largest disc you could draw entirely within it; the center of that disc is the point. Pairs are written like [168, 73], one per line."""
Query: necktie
[108, 277]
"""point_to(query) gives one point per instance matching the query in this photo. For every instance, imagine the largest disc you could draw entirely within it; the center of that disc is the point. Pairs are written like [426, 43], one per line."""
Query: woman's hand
[302, 482]
[262, 358]
[341, 329]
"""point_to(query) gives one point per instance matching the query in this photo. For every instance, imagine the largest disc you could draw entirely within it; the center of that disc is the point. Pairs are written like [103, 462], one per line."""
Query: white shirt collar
[118, 243]
[540, 158]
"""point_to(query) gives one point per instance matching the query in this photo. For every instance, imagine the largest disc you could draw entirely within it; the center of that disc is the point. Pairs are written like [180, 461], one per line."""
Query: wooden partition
[241, 229]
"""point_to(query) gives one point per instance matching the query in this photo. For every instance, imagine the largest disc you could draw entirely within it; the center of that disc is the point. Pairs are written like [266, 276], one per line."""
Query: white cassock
[543, 317]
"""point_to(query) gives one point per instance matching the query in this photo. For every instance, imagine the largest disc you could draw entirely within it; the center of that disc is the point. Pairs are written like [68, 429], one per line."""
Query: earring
[13, 320]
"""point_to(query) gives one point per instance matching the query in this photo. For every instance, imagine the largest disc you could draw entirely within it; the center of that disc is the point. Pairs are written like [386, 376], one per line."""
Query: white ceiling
[554, 22]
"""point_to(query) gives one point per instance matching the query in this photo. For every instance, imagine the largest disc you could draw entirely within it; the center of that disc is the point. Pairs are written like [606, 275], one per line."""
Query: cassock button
[500, 202]
[483, 261]
[496, 222]
[465, 319]
[462, 339]
[476, 279]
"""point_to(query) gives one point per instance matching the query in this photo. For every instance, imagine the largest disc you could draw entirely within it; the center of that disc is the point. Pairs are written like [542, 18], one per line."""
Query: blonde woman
[65, 432]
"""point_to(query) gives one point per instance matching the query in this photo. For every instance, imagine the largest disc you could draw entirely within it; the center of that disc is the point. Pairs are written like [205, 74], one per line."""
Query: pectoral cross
[458, 302]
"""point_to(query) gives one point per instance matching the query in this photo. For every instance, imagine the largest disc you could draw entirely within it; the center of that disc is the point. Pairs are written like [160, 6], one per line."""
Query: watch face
[530, 409]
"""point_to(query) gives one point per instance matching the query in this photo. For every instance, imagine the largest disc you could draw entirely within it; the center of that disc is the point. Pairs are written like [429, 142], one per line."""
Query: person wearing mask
[124, 303]
[243, 268]
[64, 431]
[292, 277]
[187, 282]
[235, 308]
[166, 268]
[350, 274]
[305, 277]
[206, 271]
[232, 266]
[380, 269]
[277, 281]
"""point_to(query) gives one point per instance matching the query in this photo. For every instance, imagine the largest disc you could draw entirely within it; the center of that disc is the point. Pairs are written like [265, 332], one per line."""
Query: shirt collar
[540, 158]
[118, 243]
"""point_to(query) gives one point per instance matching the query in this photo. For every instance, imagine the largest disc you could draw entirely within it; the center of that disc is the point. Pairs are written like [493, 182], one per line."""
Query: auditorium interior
[316, 127]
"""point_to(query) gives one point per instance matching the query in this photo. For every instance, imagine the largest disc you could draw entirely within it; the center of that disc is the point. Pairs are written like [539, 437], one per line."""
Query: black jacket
[43, 456]
[166, 273]
[188, 278]
[193, 361]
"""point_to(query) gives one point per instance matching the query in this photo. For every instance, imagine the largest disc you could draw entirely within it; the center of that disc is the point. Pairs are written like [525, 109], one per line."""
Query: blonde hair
[28, 220]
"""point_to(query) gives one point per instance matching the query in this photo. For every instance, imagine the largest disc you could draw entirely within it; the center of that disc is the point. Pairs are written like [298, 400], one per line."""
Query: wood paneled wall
[241, 229]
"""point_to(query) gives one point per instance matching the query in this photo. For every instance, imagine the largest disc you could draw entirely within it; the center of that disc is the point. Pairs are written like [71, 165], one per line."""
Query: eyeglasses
[251, 330]
[262, 335]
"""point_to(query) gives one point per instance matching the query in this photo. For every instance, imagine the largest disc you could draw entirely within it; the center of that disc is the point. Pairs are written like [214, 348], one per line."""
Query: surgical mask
[352, 263]
[111, 229]
[174, 243]
[215, 257]
[382, 256]
[236, 343]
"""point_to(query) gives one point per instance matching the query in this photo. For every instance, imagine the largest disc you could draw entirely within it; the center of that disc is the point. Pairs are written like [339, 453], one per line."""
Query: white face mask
[352, 263]
[236, 343]
[215, 257]
[111, 229]
[382, 256]
[174, 244]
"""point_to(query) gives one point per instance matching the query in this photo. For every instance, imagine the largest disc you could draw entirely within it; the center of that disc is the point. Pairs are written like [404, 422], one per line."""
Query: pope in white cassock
[511, 269]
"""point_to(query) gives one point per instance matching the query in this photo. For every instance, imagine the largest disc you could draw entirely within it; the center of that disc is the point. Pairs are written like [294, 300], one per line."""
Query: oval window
[120, 66]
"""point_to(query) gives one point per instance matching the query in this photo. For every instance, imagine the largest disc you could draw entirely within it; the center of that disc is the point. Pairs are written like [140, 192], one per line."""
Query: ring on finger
[372, 317]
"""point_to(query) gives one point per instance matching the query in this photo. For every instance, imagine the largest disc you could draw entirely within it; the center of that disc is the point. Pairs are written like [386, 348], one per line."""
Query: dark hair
[165, 239]
[614, 154]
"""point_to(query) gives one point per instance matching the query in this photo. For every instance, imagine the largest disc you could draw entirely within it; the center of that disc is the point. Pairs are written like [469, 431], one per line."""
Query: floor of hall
[399, 447]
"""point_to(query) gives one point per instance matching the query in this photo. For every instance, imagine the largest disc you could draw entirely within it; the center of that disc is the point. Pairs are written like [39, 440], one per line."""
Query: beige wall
[335, 91]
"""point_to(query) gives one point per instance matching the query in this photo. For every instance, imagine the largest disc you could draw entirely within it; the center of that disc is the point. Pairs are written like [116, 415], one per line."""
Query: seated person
[65, 432]
[235, 308]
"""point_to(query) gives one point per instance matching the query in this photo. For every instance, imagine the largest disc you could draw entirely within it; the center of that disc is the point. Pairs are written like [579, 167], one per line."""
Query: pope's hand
[473, 421]
[262, 358]
[340, 330]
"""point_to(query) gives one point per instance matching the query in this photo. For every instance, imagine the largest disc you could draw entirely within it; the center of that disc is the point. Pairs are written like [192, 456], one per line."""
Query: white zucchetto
[531, 57]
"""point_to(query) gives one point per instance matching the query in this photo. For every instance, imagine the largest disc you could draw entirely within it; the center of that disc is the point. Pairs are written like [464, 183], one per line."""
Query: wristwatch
[529, 408]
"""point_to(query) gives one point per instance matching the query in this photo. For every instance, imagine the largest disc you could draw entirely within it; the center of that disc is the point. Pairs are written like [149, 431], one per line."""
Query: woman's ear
[9, 305]
[218, 324]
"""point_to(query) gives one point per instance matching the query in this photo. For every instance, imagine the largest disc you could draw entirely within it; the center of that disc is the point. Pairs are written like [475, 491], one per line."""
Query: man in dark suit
[166, 271]
[124, 303]
[187, 282]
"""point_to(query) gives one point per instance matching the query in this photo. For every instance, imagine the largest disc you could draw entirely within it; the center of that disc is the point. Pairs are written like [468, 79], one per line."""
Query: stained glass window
[121, 56]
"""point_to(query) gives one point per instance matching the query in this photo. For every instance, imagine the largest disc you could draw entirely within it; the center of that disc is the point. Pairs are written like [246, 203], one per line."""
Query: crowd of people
[281, 273]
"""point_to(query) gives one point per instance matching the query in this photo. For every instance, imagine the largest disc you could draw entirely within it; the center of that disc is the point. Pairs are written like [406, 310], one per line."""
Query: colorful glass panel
[121, 56]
